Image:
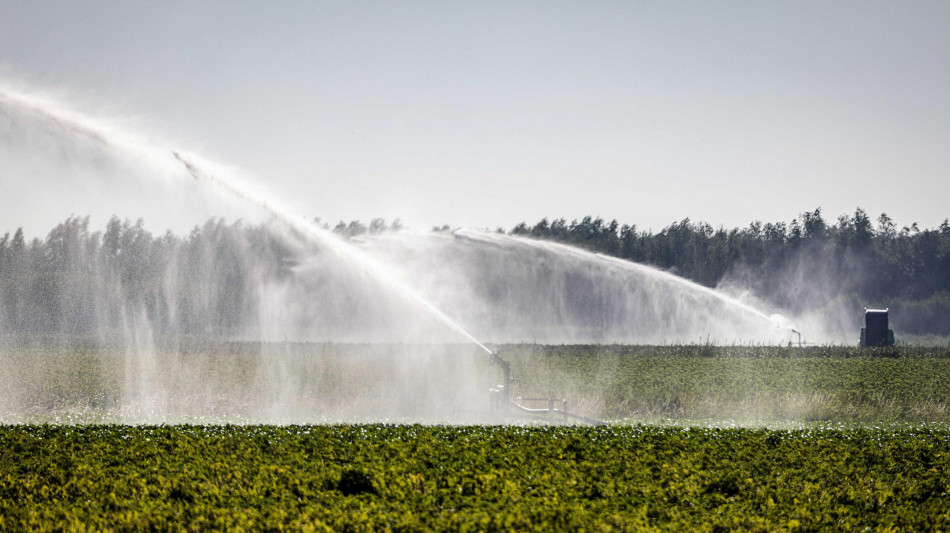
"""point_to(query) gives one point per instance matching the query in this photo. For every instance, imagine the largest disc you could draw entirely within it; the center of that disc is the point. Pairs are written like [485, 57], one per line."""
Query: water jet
[503, 288]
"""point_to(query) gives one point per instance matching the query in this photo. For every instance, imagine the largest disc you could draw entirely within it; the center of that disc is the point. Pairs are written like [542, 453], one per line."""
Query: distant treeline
[79, 281]
[806, 263]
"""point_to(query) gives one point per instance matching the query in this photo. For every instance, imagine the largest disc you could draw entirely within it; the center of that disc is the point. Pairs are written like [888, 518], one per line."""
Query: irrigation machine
[875, 331]
[503, 406]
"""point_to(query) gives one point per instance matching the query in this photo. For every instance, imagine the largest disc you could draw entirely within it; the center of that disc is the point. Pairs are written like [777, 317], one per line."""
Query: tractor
[875, 331]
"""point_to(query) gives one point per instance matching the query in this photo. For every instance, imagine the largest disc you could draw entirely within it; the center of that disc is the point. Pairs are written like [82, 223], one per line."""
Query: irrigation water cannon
[796, 332]
[551, 409]
[875, 331]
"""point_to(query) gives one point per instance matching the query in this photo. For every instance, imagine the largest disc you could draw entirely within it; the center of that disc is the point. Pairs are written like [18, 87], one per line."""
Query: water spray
[375, 268]
[625, 269]
[110, 138]
[502, 404]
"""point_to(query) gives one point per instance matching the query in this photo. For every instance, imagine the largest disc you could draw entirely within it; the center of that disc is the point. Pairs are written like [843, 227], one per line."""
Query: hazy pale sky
[485, 114]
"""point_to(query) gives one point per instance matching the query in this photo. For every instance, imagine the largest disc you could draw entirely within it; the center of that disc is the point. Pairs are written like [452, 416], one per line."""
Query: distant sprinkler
[502, 404]
[795, 331]
[782, 323]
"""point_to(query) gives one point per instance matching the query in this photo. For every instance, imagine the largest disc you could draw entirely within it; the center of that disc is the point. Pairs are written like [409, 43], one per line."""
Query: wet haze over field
[559, 284]
[411, 291]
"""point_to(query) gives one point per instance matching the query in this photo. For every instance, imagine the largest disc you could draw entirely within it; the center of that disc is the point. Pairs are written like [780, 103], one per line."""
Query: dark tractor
[875, 331]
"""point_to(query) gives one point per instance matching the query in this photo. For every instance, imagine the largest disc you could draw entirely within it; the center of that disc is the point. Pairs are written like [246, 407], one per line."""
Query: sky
[486, 114]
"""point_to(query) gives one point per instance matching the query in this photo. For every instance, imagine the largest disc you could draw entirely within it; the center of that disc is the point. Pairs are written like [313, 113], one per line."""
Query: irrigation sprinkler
[549, 409]
[799, 333]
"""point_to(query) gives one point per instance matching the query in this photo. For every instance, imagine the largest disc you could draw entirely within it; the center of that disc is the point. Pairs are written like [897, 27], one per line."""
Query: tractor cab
[875, 331]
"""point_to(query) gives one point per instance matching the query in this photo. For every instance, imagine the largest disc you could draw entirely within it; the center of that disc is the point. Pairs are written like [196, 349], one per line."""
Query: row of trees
[77, 280]
[803, 264]
[356, 228]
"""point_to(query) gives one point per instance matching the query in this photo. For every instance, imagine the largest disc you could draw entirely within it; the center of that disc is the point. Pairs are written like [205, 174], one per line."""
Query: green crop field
[745, 385]
[494, 478]
[699, 438]
[751, 385]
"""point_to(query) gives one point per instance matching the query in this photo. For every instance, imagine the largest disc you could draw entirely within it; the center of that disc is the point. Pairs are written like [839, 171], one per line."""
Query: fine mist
[514, 289]
[57, 162]
[152, 318]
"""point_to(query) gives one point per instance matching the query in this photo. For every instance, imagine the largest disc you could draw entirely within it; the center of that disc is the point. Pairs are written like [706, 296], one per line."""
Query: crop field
[478, 478]
[698, 437]
[757, 385]
[744, 385]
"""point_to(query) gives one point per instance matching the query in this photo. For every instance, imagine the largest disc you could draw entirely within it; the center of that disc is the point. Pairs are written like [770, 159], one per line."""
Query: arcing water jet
[114, 138]
[776, 321]
[512, 289]
[654, 294]
[377, 269]
[285, 387]
[506, 289]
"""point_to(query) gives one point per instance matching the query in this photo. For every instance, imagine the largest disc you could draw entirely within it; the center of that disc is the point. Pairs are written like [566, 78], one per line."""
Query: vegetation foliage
[743, 384]
[757, 384]
[869, 454]
[485, 478]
